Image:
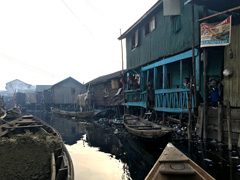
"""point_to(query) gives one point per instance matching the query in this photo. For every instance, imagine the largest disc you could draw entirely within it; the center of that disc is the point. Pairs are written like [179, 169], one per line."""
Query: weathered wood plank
[53, 167]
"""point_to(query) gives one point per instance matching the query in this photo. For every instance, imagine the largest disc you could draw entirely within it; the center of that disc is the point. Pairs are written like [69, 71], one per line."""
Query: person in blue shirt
[214, 94]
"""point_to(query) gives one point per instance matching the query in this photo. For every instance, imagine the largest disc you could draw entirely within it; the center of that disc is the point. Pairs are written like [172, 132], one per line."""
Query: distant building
[18, 86]
[63, 94]
[40, 92]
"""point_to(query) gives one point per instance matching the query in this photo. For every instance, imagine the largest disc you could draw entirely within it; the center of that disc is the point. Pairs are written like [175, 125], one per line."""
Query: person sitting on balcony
[186, 84]
[214, 93]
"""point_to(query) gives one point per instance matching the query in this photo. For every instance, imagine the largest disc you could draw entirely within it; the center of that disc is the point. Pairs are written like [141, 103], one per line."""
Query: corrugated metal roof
[217, 5]
[105, 78]
[67, 79]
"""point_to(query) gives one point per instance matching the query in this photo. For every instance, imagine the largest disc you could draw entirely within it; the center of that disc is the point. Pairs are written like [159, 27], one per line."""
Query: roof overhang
[216, 5]
[141, 19]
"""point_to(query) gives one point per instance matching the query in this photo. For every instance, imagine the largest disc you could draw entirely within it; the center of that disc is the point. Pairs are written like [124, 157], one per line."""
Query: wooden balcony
[172, 100]
[136, 98]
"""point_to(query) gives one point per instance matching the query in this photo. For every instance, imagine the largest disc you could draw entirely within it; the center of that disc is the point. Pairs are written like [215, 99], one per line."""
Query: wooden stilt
[163, 118]
[201, 122]
[238, 141]
[229, 126]
[220, 117]
[205, 86]
[190, 111]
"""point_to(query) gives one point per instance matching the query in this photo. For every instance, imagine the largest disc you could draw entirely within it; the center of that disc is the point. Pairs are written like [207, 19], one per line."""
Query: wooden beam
[220, 13]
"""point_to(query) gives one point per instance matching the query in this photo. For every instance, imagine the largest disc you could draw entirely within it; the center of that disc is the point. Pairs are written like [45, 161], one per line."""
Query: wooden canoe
[84, 115]
[173, 164]
[60, 160]
[144, 128]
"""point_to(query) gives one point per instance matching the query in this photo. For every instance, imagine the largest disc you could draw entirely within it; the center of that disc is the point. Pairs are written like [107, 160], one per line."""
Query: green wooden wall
[171, 36]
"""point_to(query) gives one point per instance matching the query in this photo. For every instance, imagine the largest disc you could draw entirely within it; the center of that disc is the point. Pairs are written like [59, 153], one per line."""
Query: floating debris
[208, 160]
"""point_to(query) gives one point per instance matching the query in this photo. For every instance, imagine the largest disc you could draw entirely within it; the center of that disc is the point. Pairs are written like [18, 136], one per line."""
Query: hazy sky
[46, 41]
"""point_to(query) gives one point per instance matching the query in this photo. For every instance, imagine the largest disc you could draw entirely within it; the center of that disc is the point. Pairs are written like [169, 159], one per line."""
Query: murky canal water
[100, 152]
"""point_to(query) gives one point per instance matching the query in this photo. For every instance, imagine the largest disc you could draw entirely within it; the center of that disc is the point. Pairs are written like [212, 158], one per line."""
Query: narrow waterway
[99, 151]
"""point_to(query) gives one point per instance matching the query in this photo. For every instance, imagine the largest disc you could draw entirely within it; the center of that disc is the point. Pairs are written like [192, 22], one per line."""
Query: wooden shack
[107, 91]
[63, 94]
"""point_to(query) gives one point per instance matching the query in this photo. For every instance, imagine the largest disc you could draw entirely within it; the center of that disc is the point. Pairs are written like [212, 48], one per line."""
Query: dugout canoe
[174, 165]
[144, 128]
[59, 160]
[84, 115]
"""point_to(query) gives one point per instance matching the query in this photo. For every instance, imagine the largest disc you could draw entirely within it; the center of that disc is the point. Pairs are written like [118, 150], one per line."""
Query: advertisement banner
[216, 34]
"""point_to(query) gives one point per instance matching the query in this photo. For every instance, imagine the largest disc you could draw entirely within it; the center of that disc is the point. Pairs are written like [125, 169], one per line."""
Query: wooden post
[205, 93]
[122, 51]
[163, 118]
[201, 122]
[181, 76]
[164, 85]
[190, 111]
[229, 126]
[205, 86]
[220, 122]
[238, 145]
[193, 60]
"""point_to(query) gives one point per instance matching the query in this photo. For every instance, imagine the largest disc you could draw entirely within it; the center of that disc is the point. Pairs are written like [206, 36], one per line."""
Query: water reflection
[99, 153]
[90, 163]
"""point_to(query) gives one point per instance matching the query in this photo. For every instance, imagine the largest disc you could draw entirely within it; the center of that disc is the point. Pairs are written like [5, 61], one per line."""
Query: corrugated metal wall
[232, 84]
[171, 36]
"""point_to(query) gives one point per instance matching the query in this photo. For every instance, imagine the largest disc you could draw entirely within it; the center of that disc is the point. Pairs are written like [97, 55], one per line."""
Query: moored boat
[144, 128]
[33, 150]
[173, 164]
[85, 115]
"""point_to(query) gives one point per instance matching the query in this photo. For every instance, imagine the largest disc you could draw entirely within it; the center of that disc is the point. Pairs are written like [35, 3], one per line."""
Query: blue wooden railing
[136, 98]
[172, 100]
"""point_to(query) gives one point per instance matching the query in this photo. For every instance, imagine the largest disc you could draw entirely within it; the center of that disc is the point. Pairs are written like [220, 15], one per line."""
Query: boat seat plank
[18, 127]
[149, 128]
[26, 122]
[176, 168]
[139, 125]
